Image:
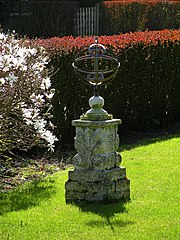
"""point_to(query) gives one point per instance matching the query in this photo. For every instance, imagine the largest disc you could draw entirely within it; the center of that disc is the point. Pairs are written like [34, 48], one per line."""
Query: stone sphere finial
[96, 113]
[96, 102]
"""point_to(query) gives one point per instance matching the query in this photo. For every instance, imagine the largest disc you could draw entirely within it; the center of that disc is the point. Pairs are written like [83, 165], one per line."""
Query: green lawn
[37, 211]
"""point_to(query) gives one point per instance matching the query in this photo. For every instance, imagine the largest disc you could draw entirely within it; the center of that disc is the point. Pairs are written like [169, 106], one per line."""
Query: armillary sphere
[96, 65]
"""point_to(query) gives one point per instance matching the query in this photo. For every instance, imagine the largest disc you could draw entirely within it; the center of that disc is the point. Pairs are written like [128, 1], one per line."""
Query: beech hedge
[138, 15]
[144, 94]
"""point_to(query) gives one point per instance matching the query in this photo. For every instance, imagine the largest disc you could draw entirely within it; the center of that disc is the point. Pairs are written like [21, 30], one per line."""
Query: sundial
[97, 175]
[96, 66]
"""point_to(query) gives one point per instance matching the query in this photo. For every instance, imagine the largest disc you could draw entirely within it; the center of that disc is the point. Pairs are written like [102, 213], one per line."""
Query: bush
[57, 18]
[25, 96]
[126, 16]
[145, 93]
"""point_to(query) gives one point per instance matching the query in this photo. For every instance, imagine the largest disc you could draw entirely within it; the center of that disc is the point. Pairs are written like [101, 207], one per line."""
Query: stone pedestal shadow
[97, 175]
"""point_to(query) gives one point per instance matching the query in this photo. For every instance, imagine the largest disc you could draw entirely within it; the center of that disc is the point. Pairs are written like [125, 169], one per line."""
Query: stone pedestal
[97, 175]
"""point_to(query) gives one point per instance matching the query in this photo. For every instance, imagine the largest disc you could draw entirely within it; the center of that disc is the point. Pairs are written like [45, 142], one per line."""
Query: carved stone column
[97, 175]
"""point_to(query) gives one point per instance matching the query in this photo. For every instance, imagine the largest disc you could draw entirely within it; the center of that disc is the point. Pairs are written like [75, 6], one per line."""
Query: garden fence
[64, 18]
[87, 21]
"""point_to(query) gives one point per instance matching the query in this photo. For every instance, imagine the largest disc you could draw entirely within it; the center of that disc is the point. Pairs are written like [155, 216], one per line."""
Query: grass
[37, 210]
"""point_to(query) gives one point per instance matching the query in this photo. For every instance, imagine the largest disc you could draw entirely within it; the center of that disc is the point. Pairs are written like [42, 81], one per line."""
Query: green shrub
[127, 16]
[144, 94]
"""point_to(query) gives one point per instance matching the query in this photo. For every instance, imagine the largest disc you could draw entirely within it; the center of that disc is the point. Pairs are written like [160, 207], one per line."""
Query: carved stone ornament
[97, 175]
[96, 147]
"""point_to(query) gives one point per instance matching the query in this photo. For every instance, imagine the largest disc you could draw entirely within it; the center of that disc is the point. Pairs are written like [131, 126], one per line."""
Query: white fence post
[87, 21]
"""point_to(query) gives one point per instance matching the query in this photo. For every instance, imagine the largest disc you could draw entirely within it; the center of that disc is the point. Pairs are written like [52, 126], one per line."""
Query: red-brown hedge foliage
[144, 94]
[70, 44]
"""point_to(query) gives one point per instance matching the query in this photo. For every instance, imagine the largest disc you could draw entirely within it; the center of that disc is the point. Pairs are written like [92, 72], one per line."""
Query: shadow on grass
[107, 212]
[26, 196]
[146, 141]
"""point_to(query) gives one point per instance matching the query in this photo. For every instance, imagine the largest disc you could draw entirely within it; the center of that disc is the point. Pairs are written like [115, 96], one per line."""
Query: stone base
[98, 186]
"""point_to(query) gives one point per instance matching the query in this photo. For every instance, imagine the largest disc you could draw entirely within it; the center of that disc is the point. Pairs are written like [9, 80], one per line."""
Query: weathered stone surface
[93, 187]
[98, 192]
[90, 161]
[97, 197]
[122, 185]
[97, 176]
[93, 176]
[96, 124]
[96, 143]
[96, 113]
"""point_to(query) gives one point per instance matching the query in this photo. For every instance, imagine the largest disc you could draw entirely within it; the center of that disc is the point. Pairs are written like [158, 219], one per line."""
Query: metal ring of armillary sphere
[96, 65]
